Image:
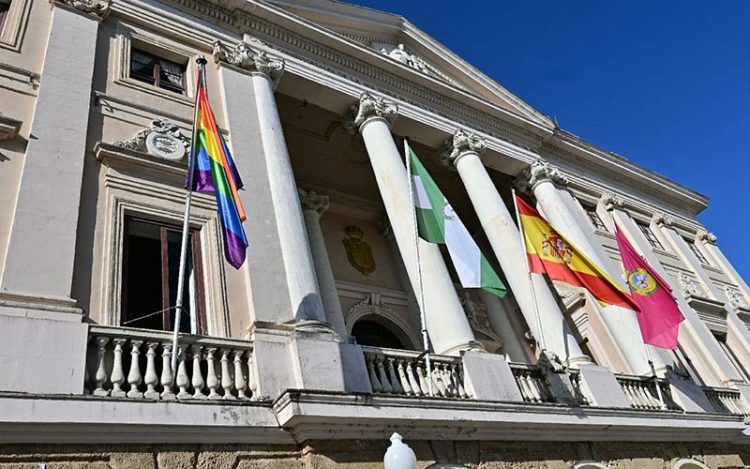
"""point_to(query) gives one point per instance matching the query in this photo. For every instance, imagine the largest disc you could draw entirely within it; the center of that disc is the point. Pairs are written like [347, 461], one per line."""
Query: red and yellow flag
[550, 253]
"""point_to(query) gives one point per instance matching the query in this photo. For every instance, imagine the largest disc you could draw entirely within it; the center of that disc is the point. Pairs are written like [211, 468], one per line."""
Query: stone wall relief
[163, 139]
[479, 321]
[358, 251]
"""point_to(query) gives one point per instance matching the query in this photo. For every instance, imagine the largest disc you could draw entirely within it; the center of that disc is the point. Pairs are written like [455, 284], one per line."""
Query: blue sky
[664, 84]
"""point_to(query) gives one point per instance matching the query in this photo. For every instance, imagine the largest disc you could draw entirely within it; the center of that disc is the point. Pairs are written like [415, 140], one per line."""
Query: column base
[578, 362]
[471, 346]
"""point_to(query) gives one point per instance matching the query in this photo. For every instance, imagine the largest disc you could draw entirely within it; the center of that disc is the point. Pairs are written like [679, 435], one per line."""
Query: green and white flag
[437, 222]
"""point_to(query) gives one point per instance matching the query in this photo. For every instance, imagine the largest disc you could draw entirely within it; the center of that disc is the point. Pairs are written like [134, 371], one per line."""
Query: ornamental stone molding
[612, 202]
[163, 139]
[735, 298]
[662, 219]
[688, 287]
[311, 200]
[462, 142]
[369, 107]
[248, 56]
[705, 236]
[538, 172]
[98, 8]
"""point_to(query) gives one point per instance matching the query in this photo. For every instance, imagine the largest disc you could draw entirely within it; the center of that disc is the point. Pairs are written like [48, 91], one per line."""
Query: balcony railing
[403, 372]
[136, 363]
[726, 401]
[641, 393]
[532, 383]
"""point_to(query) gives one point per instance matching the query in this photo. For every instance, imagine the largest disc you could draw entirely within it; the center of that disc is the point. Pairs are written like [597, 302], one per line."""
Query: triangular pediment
[403, 43]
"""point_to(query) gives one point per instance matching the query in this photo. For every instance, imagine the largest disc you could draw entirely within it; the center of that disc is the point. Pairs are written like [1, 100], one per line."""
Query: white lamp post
[399, 455]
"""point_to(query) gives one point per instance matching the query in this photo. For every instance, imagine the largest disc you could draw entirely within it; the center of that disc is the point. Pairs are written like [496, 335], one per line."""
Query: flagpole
[656, 378]
[542, 341]
[422, 316]
[186, 217]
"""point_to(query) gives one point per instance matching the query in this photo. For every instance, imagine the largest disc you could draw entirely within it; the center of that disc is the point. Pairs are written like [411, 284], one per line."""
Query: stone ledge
[313, 415]
[30, 418]
[9, 127]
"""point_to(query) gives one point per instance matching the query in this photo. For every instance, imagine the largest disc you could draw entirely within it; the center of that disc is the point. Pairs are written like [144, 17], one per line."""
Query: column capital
[98, 8]
[612, 201]
[537, 172]
[463, 142]
[705, 236]
[311, 200]
[662, 219]
[247, 55]
[368, 107]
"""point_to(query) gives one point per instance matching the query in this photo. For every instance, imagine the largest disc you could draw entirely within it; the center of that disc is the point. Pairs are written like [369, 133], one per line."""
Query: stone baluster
[183, 380]
[437, 381]
[239, 377]
[403, 379]
[374, 381]
[167, 377]
[252, 382]
[397, 389]
[151, 378]
[413, 381]
[387, 388]
[118, 375]
[211, 378]
[100, 376]
[134, 375]
[422, 379]
[447, 323]
[458, 373]
[197, 378]
[227, 382]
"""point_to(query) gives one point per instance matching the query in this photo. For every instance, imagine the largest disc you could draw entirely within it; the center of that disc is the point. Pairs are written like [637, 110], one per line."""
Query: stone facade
[310, 355]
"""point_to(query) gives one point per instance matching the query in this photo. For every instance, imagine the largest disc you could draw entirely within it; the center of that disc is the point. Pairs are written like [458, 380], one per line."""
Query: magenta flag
[660, 317]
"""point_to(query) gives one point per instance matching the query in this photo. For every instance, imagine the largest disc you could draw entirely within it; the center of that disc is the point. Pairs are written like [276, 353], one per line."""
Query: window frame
[14, 24]
[702, 259]
[157, 71]
[651, 237]
[594, 218]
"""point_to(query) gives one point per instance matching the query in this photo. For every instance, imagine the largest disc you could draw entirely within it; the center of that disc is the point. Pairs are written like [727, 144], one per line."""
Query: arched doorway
[368, 332]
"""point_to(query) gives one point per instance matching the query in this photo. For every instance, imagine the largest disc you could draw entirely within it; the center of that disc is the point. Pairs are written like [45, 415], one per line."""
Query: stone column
[542, 179]
[42, 243]
[503, 234]
[447, 325]
[278, 179]
[313, 207]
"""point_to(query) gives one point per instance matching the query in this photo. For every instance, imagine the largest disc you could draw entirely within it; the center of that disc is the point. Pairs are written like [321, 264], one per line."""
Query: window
[4, 9]
[376, 335]
[157, 71]
[650, 236]
[594, 217]
[722, 340]
[149, 278]
[697, 252]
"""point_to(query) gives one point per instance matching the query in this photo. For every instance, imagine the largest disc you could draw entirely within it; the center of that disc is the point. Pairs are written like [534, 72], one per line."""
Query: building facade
[310, 355]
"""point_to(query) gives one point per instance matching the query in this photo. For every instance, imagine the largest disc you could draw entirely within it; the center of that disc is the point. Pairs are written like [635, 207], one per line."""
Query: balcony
[136, 363]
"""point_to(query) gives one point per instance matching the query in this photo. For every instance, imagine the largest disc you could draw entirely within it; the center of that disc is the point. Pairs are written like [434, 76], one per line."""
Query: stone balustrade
[136, 363]
[641, 393]
[403, 372]
[530, 379]
[726, 401]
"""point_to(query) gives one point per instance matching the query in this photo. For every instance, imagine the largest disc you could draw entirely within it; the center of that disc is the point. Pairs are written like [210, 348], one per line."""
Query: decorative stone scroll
[537, 172]
[368, 107]
[662, 219]
[311, 200]
[462, 142]
[163, 139]
[688, 287]
[98, 8]
[612, 202]
[705, 236]
[250, 58]
[735, 298]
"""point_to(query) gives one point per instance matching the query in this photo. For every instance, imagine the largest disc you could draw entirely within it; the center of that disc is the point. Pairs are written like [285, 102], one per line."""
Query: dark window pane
[4, 8]
[142, 280]
[157, 71]
[376, 335]
[697, 252]
[650, 236]
[174, 238]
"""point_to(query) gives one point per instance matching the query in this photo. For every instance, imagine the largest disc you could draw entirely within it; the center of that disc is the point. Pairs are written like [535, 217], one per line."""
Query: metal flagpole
[542, 342]
[423, 318]
[186, 218]
[656, 378]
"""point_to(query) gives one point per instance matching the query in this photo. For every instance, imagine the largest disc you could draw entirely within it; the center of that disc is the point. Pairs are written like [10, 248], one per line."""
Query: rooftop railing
[641, 393]
[726, 401]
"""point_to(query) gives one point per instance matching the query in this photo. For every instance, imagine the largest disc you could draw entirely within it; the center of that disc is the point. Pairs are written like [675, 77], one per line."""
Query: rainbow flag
[550, 253]
[214, 171]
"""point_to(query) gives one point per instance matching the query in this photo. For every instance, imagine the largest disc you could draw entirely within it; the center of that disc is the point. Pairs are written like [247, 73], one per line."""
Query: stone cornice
[705, 236]
[612, 201]
[247, 55]
[96, 8]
